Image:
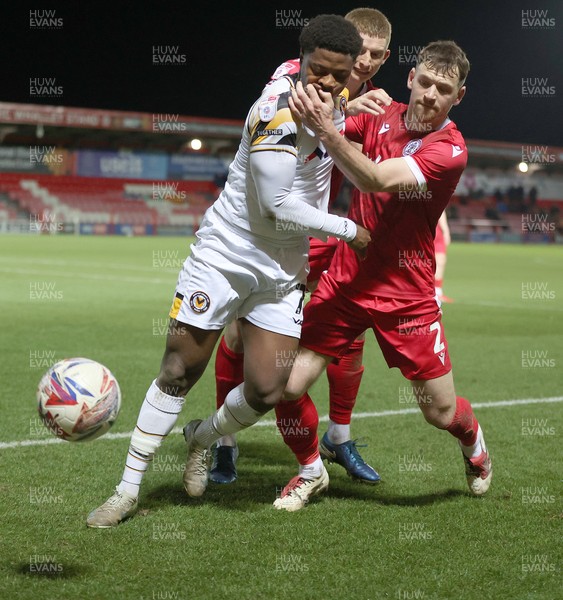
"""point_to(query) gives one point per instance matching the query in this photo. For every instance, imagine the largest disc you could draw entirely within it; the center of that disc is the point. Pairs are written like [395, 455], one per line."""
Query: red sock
[229, 371]
[438, 282]
[464, 425]
[298, 422]
[344, 378]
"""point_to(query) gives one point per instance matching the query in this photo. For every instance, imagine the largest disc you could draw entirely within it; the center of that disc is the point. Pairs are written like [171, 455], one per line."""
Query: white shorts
[229, 277]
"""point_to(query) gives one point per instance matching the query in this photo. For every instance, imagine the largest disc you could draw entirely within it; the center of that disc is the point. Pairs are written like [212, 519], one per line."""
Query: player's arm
[273, 156]
[391, 175]
[273, 176]
[444, 226]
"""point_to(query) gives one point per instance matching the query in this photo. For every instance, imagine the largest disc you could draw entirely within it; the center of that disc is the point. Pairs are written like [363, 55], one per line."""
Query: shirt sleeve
[273, 178]
[440, 160]
[354, 128]
[271, 126]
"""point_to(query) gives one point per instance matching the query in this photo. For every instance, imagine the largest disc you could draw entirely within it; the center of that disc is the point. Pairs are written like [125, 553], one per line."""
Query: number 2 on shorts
[438, 345]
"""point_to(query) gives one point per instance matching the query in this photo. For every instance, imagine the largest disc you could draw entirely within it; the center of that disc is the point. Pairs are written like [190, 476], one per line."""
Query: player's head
[329, 47]
[375, 31]
[437, 82]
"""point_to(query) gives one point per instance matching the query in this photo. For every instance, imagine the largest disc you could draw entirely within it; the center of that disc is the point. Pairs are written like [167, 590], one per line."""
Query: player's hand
[371, 102]
[360, 242]
[314, 108]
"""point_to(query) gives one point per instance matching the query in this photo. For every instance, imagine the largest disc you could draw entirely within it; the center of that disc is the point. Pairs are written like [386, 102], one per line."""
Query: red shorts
[439, 242]
[320, 256]
[409, 333]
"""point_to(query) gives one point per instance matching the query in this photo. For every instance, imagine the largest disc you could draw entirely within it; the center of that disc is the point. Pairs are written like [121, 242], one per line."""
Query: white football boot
[197, 464]
[113, 511]
[297, 493]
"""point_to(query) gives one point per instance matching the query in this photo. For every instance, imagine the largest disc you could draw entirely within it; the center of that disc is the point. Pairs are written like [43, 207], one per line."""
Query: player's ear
[386, 56]
[410, 78]
[460, 95]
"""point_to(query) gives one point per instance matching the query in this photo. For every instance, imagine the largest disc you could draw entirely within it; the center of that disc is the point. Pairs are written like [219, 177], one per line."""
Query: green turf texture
[418, 534]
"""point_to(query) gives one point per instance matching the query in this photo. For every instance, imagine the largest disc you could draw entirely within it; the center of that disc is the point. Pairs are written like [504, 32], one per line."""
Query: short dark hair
[331, 32]
[445, 56]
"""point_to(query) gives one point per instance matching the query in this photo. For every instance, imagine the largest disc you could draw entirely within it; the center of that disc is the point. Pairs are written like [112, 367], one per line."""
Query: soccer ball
[78, 399]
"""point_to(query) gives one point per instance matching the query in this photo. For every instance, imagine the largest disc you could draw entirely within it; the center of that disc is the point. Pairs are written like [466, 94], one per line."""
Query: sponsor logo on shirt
[269, 132]
[384, 128]
[412, 147]
[456, 150]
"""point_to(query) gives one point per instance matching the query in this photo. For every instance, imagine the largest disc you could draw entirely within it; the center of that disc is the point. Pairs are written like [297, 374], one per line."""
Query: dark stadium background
[102, 56]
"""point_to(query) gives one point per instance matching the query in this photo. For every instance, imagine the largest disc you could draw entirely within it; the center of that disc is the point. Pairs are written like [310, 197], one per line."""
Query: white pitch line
[323, 419]
[530, 306]
[92, 276]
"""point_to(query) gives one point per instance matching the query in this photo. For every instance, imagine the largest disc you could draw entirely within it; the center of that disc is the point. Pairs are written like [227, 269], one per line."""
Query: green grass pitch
[416, 535]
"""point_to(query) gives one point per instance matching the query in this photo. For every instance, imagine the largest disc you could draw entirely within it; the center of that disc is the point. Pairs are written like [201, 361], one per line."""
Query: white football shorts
[228, 276]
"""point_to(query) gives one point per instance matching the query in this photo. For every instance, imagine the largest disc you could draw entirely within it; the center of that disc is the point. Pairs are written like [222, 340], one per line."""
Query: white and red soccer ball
[78, 399]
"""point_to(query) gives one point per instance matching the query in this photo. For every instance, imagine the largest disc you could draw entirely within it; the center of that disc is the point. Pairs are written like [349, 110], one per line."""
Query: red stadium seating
[113, 201]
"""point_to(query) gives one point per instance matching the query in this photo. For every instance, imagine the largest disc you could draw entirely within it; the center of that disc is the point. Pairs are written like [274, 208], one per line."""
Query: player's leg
[188, 350]
[330, 325]
[197, 319]
[415, 343]
[344, 377]
[297, 420]
[443, 409]
[229, 365]
[267, 365]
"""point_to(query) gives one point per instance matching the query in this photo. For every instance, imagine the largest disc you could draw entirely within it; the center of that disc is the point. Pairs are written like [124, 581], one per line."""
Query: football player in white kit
[249, 263]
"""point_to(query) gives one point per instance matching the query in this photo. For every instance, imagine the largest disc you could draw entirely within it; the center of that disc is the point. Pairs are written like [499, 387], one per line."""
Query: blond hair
[370, 22]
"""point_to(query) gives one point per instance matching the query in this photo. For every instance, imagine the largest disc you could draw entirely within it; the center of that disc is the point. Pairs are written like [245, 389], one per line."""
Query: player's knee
[177, 378]
[263, 395]
[439, 416]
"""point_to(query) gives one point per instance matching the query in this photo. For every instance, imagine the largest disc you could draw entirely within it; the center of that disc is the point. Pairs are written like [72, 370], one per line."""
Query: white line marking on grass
[76, 263]
[74, 275]
[504, 305]
[271, 423]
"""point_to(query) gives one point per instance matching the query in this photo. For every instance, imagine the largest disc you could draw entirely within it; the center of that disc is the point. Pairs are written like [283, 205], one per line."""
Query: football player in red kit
[411, 161]
[344, 375]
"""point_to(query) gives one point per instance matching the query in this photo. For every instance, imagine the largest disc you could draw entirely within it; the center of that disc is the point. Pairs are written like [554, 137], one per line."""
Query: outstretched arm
[274, 181]
[315, 111]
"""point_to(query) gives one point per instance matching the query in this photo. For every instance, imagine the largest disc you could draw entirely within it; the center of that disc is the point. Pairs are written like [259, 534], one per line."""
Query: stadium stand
[96, 171]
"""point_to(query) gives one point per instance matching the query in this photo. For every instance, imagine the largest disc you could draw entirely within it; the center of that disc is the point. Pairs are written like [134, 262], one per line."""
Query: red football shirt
[400, 261]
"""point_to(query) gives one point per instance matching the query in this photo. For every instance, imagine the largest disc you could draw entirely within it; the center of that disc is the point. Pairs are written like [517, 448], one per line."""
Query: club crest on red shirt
[412, 147]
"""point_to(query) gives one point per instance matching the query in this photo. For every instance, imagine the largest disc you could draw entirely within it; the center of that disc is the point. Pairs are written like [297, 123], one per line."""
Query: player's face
[326, 70]
[374, 53]
[432, 95]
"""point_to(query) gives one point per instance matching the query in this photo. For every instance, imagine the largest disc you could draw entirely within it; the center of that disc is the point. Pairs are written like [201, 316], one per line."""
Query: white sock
[227, 440]
[439, 292]
[313, 470]
[235, 415]
[337, 433]
[477, 448]
[158, 415]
